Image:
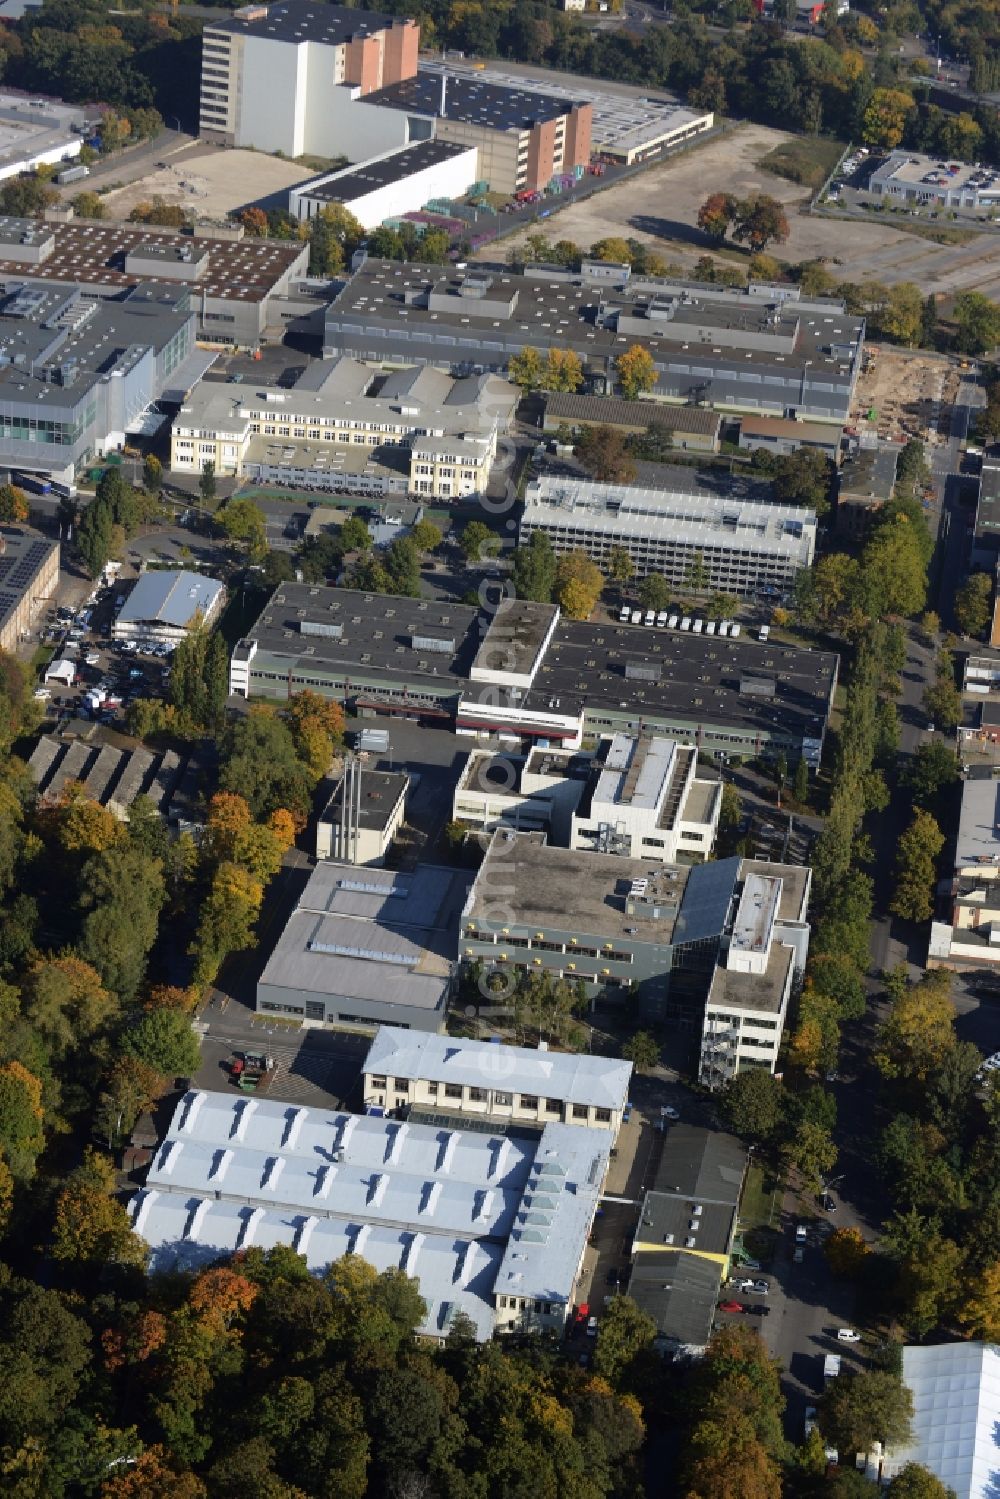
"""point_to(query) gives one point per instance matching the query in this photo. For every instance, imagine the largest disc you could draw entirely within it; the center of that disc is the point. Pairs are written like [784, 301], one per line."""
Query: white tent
[61, 671]
[956, 1414]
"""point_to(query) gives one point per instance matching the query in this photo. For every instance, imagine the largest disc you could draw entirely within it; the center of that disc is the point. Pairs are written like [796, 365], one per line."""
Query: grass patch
[41, 658]
[321, 163]
[761, 1199]
[807, 159]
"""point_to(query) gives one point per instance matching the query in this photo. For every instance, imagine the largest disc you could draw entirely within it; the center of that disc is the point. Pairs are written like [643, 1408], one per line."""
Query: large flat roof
[702, 1164]
[170, 597]
[601, 1081]
[306, 21]
[465, 1213]
[381, 171]
[754, 991]
[979, 824]
[614, 412]
[94, 255]
[956, 1409]
[372, 934]
[469, 100]
[679, 1292]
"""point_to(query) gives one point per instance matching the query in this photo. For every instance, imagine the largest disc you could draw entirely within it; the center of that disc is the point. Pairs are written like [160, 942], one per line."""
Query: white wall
[341, 125]
[272, 96]
[447, 179]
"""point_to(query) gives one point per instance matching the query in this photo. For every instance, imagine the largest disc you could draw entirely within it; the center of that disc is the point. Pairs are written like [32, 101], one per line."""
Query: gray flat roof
[702, 1164]
[380, 794]
[491, 106]
[600, 1081]
[373, 934]
[612, 412]
[170, 598]
[754, 991]
[516, 634]
[308, 21]
[671, 1220]
[979, 824]
[679, 1292]
[869, 474]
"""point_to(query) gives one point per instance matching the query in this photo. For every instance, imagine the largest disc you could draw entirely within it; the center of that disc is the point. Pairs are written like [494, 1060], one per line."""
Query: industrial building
[29, 577]
[345, 429]
[908, 177]
[363, 815]
[745, 547]
[38, 132]
[762, 350]
[76, 375]
[773, 434]
[115, 777]
[385, 187]
[639, 797]
[690, 428]
[166, 603]
[230, 285]
[490, 1224]
[684, 1243]
[654, 932]
[331, 81]
[515, 1085]
[529, 674]
[866, 483]
[955, 1389]
[367, 947]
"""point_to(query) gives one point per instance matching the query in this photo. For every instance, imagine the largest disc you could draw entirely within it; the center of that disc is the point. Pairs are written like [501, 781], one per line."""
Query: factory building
[29, 577]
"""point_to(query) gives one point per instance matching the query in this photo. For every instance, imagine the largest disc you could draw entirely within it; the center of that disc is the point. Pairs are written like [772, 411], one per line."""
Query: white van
[661, 619]
[637, 616]
[698, 626]
[624, 614]
[764, 632]
[686, 622]
[673, 621]
[710, 627]
[649, 618]
[723, 627]
[734, 629]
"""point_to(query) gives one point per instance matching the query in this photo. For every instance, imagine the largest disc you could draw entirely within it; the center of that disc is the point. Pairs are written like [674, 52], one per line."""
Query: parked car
[848, 1335]
[741, 1283]
[827, 1203]
[42, 694]
[591, 1327]
[760, 1287]
[669, 1113]
[801, 1233]
[731, 1306]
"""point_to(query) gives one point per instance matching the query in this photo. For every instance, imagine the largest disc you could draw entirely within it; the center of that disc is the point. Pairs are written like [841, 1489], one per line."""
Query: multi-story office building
[75, 374]
[526, 674]
[651, 931]
[346, 430]
[637, 797]
[330, 81]
[745, 547]
[764, 950]
[516, 1084]
[908, 177]
[765, 350]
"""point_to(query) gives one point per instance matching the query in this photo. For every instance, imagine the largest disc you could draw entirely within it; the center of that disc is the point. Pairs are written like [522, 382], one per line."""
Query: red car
[731, 1306]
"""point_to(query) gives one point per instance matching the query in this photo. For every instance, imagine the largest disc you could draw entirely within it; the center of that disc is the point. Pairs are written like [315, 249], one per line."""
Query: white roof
[61, 671]
[956, 1408]
[170, 597]
[979, 825]
[460, 1211]
[601, 1081]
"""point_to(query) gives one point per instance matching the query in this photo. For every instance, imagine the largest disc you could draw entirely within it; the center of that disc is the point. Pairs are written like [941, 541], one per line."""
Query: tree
[977, 323]
[65, 1001]
[636, 371]
[916, 1482]
[21, 1119]
[886, 117]
[655, 592]
[13, 503]
[152, 473]
[526, 369]
[933, 766]
[696, 574]
[760, 221]
[91, 1226]
[89, 205]
[812, 1152]
[860, 1409]
[643, 1050]
[260, 764]
[243, 521]
[800, 785]
[164, 1040]
[123, 893]
[916, 858]
[974, 604]
[604, 453]
[919, 1030]
[716, 214]
[132, 1086]
[534, 570]
[846, 1252]
[752, 1103]
[731, 810]
[426, 536]
[902, 316]
[477, 538]
[613, 251]
[980, 1312]
[93, 537]
[624, 1332]
[621, 568]
[803, 478]
[563, 371]
[206, 484]
[254, 221]
[578, 584]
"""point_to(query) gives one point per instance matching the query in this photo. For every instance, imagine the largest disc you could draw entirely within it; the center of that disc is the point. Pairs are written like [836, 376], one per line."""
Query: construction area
[901, 396]
[209, 182]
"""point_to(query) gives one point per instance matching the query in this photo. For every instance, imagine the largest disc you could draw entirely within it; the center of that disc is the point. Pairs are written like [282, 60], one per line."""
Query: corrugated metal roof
[170, 598]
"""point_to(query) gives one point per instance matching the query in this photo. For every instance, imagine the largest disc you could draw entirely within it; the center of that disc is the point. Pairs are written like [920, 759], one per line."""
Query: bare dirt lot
[210, 182]
[660, 207]
[911, 395]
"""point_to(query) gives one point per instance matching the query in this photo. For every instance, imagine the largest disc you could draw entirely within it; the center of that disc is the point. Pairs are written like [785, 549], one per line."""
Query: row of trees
[572, 580]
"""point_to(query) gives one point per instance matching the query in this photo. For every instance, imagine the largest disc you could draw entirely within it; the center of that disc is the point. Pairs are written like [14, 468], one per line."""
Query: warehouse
[388, 186]
[514, 1084]
[29, 577]
[760, 349]
[746, 548]
[367, 947]
[529, 674]
[490, 1224]
[38, 132]
[165, 604]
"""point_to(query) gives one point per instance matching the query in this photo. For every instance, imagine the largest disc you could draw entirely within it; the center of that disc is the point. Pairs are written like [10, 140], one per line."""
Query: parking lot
[109, 674]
